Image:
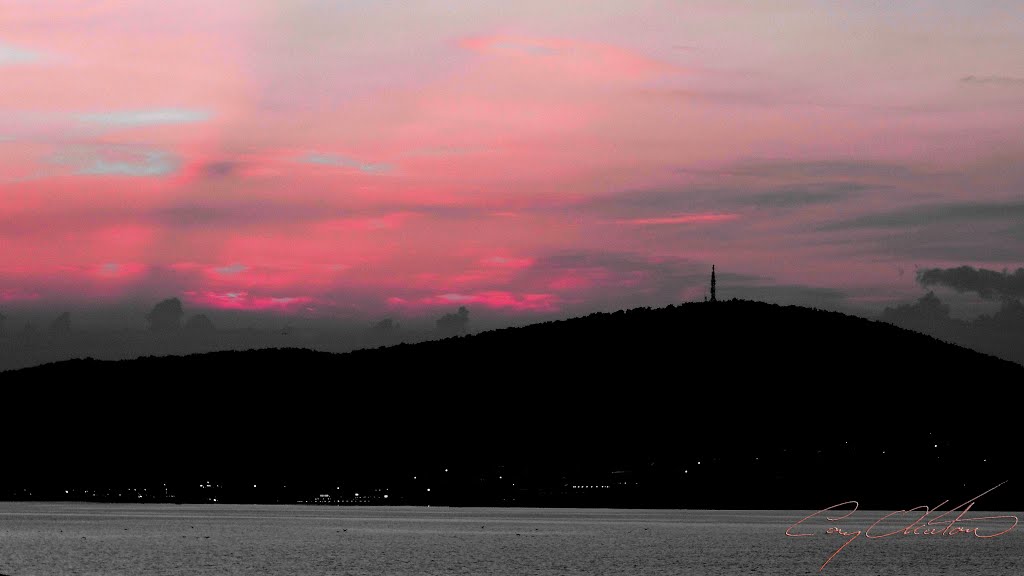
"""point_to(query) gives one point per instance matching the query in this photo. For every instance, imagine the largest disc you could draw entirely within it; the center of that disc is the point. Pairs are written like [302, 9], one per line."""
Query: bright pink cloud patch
[244, 301]
[495, 299]
[17, 295]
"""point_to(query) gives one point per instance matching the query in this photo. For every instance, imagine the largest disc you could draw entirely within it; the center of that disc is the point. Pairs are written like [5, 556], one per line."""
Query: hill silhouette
[724, 404]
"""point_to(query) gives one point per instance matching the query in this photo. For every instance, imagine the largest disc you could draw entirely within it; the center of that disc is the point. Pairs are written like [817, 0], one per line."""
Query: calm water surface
[59, 539]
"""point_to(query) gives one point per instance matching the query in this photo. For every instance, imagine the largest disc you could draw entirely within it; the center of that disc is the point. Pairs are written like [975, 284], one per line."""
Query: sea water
[111, 539]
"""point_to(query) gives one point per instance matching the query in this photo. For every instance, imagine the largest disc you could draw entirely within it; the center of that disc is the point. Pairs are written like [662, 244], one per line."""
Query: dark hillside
[783, 406]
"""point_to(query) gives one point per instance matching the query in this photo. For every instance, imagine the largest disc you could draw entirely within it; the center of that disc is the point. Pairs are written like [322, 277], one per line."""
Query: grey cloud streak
[838, 169]
[926, 214]
[1005, 81]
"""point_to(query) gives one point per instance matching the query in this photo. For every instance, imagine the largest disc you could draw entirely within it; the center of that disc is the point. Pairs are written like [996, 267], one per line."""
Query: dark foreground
[163, 540]
[726, 405]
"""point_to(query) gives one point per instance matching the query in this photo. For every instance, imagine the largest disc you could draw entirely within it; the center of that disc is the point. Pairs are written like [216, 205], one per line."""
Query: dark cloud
[969, 241]
[199, 324]
[776, 100]
[260, 211]
[61, 326]
[795, 196]
[240, 213]
[999, 334]
[928, 309]
[662, 202]
[441, 211]
[638, 203]
[979, 248]
[1015, 232]
[453, 324]
[231, 269]
[221, 169]
[822, 169]
[933, 214]
[1007, 81]
[784, 294]
[988, 284]
[165, 316]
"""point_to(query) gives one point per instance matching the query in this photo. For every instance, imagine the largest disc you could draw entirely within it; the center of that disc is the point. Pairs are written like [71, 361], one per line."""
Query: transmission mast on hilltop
[713, 299]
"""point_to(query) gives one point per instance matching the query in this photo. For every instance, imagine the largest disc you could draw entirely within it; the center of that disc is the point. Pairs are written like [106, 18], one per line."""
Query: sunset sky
[370, 158]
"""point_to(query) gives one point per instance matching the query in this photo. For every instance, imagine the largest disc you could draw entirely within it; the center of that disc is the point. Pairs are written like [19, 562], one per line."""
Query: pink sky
[371, 158]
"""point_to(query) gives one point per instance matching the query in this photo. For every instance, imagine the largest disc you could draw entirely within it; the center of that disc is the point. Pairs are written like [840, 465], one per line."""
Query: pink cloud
[370, 223]
[155, 148]
[17, 295]
[580, 279]
[681, 219]
[242, 300]
[119, 271]
[507, 262]
[494, 299]
[278, 278]
[577, 58]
